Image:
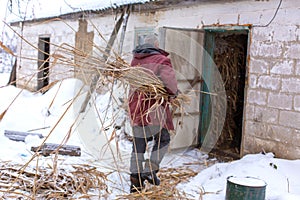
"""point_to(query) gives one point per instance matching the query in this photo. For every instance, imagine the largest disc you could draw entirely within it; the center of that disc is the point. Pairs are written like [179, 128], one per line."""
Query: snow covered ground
[41, 113]
[4, 77]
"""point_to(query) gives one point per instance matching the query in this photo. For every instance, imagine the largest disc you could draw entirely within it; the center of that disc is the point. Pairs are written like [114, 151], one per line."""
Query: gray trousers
[142, 135]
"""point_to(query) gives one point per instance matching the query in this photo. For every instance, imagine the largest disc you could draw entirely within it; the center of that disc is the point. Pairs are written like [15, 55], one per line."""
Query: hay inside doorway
[228, 48]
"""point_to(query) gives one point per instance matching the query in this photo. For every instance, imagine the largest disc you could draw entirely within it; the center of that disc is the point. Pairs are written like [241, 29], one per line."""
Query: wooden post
[126, 16]
[83, 43]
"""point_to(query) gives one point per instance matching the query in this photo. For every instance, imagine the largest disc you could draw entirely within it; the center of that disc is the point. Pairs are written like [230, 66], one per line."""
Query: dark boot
[149, 173]
[137, 183]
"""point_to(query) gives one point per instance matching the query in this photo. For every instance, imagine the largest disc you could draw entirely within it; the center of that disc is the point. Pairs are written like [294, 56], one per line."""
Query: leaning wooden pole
[126, 16]
[108, 48]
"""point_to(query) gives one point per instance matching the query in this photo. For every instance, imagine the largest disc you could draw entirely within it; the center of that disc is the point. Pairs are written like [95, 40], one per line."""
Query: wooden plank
[51, 148]
[19, 136]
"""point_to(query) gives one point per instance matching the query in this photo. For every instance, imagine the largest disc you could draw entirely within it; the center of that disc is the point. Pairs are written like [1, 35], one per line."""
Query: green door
[205, 101]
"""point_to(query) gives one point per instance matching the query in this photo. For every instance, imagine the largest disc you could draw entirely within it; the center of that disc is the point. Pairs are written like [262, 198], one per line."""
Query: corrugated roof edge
[81, 11]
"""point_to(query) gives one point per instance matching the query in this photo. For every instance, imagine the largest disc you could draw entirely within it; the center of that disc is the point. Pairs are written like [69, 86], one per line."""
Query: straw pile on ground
[48, 183]
[82, 182]
[170, 177]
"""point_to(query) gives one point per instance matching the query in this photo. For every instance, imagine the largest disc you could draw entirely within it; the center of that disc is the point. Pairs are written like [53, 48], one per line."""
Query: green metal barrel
[246, 188]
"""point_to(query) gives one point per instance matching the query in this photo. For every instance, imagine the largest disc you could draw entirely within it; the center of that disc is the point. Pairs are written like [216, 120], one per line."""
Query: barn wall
[272, 119]
[272, 101]
[59, 34]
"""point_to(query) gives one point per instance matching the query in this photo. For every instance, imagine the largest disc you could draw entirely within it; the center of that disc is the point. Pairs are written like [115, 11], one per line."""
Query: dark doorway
[43, 62]
[228, 50]
[230, 55]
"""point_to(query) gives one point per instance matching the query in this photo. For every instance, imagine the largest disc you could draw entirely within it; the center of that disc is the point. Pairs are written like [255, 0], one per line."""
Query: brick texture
[289, 119]
[281, 101]
[257, 97]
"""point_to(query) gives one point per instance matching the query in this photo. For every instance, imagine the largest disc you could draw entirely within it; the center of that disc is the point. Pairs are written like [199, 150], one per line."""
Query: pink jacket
[141, 108]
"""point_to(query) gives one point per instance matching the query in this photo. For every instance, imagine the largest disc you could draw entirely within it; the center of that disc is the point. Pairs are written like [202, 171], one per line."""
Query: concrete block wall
[272, 117]
[272, 100]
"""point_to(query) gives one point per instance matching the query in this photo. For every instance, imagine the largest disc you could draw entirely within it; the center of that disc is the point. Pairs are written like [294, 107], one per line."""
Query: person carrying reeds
[149, 111]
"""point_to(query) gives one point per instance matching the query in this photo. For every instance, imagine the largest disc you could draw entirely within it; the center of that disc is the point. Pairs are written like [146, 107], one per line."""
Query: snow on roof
[38, 9]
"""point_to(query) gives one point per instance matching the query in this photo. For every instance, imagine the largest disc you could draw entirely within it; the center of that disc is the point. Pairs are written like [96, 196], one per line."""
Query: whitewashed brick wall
[59, 34]
[273, 95]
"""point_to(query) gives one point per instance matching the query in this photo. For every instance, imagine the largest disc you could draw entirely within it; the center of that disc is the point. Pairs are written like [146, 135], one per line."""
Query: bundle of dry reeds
[116, 68]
